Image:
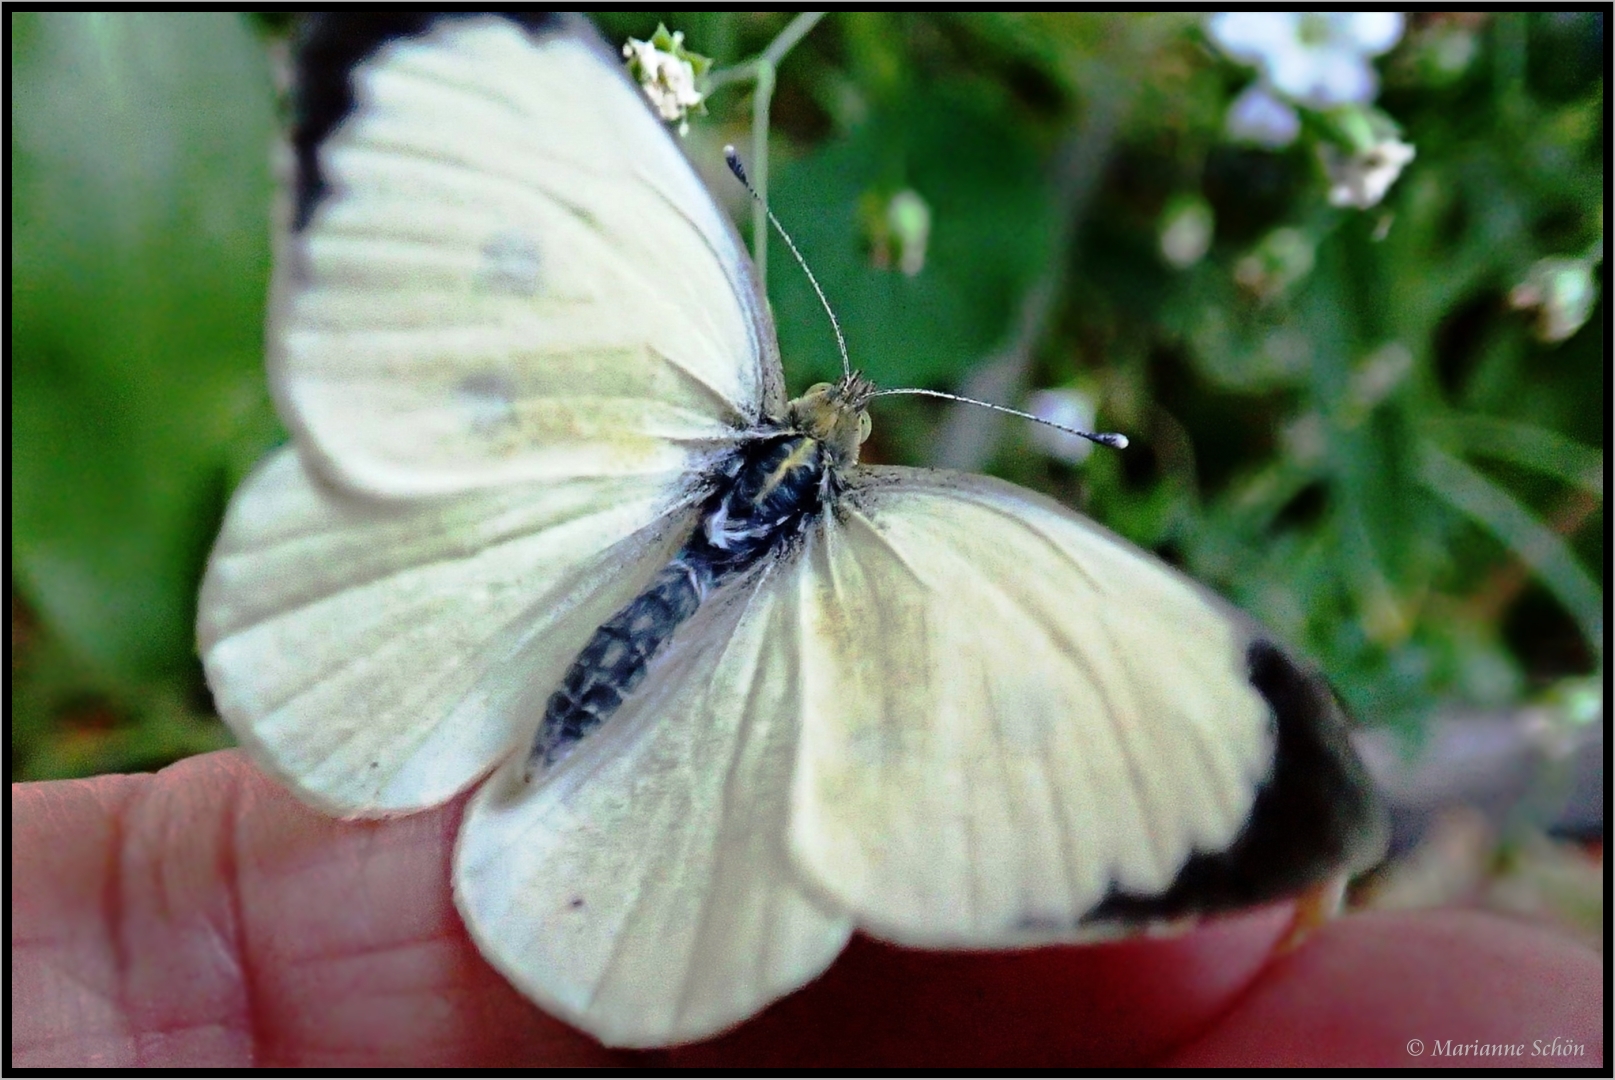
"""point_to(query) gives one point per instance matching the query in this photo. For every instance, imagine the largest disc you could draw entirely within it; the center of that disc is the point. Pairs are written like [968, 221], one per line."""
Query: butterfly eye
[864, 427]
[819, 388]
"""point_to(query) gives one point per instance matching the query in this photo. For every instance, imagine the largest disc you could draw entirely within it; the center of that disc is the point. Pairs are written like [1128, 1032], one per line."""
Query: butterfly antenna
[1113, 439]
[733, 160]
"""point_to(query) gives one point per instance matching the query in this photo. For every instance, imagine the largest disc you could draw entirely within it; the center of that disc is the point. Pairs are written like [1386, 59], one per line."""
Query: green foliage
[991, 205]
[1380, 431]
[139, 255]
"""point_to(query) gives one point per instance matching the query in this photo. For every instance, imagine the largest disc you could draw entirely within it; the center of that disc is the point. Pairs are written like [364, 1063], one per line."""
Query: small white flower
[1562, 291]
[897, 229]
[1361, 179]
[1068, 408]
[908, 216]
[1315, 58]
[1187, 227]
[667, 72]
[1258, 116]
[1282, 258]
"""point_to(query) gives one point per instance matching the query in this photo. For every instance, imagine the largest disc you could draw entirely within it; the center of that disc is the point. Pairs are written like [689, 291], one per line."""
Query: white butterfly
[530, 380]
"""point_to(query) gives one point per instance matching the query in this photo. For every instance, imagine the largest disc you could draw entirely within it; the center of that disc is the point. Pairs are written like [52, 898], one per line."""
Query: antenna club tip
[1113, 439]
[732, 159]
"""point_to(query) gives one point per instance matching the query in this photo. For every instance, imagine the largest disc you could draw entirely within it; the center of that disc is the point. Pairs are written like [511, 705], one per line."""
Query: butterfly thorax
[835, 414]
[763, 495]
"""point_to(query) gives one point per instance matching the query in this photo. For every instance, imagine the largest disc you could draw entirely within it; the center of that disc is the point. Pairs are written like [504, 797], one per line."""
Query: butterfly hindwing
[1010, 715]
[643, 891]
[380, 655]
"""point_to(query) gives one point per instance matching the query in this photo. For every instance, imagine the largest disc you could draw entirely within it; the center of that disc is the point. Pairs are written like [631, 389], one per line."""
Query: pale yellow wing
[641, 890]
[380, 655]
[499, 268]
[1016, 727]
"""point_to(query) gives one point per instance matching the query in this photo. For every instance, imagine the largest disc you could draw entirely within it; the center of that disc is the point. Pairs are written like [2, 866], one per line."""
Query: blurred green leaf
[140, 185]
[1539, 547]
[1534, 447]
[991, 218]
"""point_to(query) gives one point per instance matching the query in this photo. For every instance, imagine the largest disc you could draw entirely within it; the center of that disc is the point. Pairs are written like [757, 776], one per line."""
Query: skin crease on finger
[201, 916]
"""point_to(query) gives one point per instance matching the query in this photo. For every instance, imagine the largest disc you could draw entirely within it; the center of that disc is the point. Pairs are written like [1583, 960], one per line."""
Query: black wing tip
[329, 47]
[1316, 813]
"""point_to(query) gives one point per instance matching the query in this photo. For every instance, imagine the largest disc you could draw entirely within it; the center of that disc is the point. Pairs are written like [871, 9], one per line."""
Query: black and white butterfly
[549, 515]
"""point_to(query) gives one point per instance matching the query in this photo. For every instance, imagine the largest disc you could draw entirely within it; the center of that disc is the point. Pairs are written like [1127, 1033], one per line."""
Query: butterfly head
[835, 414]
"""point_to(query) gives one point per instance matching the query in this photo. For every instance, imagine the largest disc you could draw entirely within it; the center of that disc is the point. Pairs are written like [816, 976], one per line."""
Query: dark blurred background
[1378, 428]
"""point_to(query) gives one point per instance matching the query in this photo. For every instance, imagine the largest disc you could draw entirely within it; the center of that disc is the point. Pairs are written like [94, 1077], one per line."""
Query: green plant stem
[761, 71]
[761, 98]
[1533, 543]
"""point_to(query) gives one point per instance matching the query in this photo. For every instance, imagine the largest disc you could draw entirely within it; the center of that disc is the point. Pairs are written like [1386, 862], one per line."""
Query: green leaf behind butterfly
[140, 145]
[992, 219]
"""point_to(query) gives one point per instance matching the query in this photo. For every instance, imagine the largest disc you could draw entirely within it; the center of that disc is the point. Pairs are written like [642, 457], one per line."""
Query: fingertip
[1396, 989]
[1118, 1003]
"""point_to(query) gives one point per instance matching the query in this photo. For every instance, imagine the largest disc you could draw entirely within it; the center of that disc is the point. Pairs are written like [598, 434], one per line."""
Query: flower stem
[761, 72]
[761, 98]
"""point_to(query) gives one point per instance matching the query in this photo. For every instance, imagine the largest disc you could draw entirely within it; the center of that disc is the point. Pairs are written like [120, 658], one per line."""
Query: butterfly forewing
[499, 269]
[510, 332]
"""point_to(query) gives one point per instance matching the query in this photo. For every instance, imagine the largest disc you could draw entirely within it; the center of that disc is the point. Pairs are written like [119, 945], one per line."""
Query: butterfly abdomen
[775, 489]
[616, 657]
